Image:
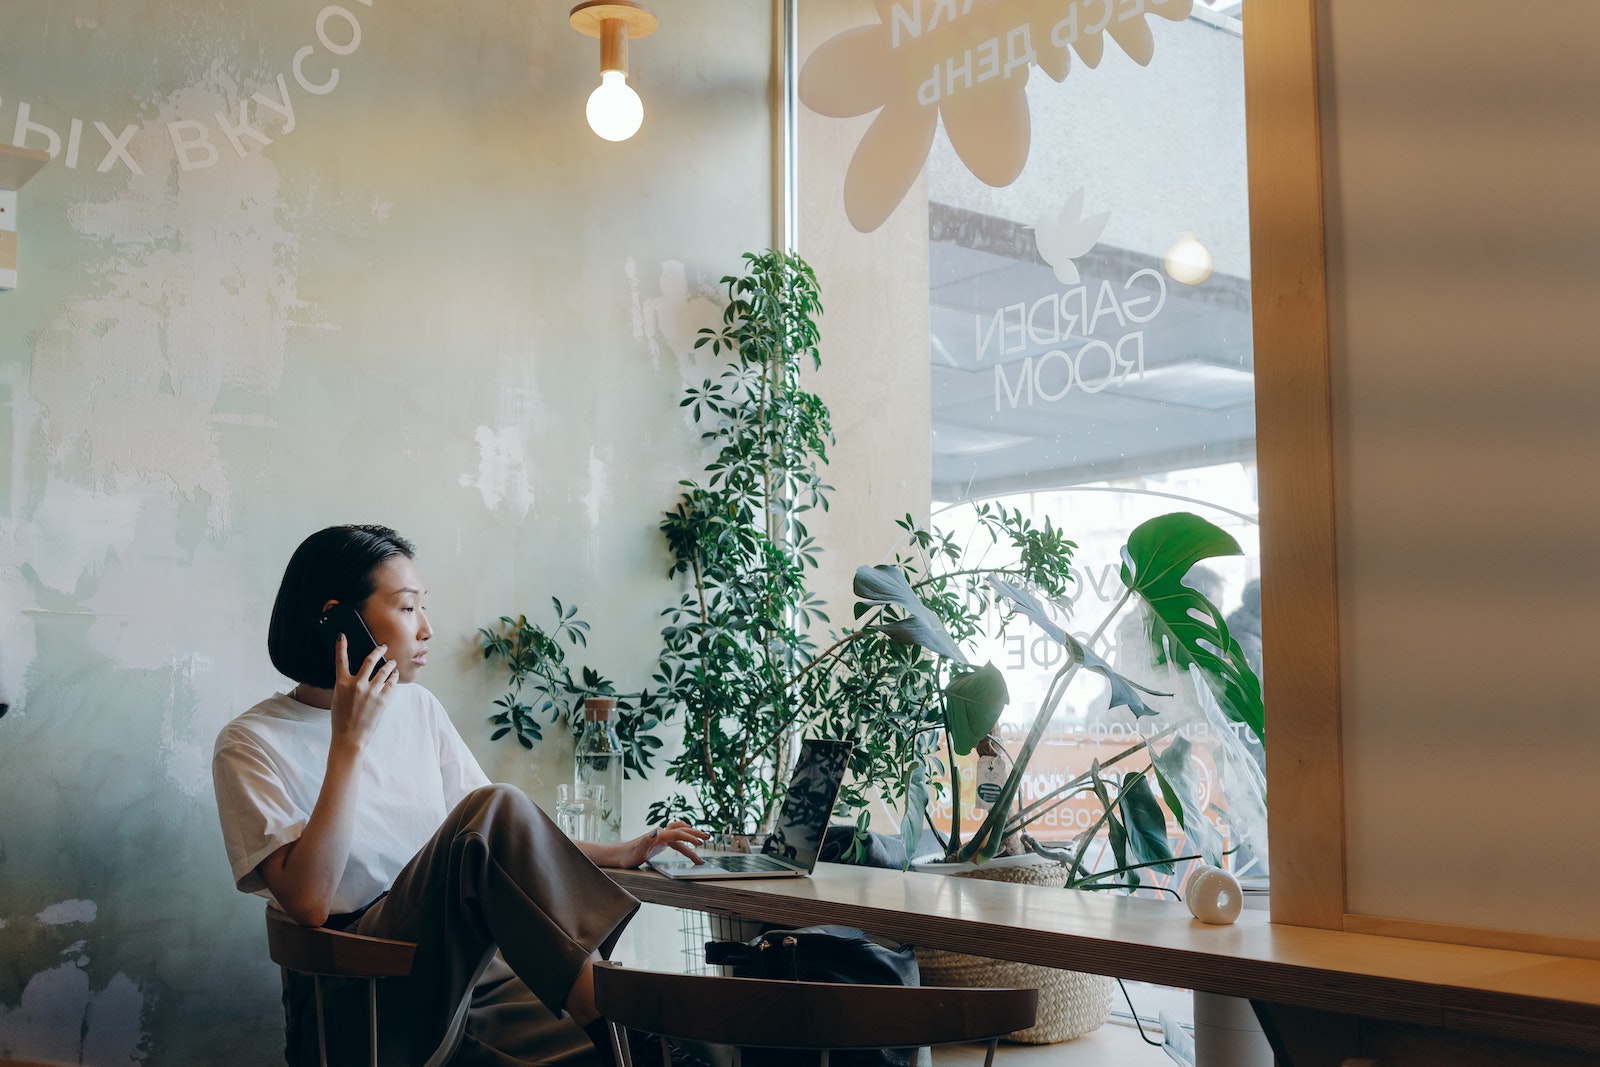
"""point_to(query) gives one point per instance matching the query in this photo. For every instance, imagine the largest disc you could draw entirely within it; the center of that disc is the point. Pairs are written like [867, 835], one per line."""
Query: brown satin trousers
[502, 905]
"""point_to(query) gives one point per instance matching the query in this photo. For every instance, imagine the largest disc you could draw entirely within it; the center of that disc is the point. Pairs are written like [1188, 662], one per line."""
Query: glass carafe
[597, 773]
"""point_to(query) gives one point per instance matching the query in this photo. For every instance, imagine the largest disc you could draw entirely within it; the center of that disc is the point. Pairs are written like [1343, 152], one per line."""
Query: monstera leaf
[973, 703]
[1175, 774]
[1147, 824]
[1124, 694]
[916, 808]
[887, 586]
[1186, 626]
[1138, 836]
[1116, 833]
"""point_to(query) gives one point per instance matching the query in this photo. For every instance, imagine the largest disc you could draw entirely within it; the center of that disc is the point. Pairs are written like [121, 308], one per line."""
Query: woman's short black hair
[332, 564]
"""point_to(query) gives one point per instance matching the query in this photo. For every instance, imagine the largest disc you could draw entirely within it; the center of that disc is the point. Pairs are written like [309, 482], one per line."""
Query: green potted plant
[1186, 630]
[736, 639]
[738, 668]
[737, 635]
[873, 684]
[959, 706]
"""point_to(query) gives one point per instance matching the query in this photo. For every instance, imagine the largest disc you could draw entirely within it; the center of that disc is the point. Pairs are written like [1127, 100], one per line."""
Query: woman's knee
[497, 793]
[497, 800]
[502, 813]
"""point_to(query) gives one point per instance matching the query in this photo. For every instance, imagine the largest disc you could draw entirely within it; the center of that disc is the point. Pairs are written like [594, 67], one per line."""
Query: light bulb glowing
[615, 111]
[1188, 261]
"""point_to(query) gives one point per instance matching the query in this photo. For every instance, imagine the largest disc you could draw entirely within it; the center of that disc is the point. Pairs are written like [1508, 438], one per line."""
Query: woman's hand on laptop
[676, 835]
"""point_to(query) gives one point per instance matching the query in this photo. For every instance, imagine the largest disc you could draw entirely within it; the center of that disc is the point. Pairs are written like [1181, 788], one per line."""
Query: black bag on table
[821, 954]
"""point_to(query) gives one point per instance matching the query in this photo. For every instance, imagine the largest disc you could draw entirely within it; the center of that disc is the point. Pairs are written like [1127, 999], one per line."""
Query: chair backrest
[767, 1013]
[323, 950]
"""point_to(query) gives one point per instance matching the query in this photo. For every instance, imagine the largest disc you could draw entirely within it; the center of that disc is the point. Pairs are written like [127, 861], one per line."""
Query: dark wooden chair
[321, 952]
[813, 1016]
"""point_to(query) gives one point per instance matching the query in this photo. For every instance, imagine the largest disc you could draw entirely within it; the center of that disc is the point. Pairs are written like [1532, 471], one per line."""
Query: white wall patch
[675, 315]
[68, 911]
[598, 492]
[503, 478]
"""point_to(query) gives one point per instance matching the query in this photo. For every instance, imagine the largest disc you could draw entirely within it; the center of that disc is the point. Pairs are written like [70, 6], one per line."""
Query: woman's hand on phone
[359, 698]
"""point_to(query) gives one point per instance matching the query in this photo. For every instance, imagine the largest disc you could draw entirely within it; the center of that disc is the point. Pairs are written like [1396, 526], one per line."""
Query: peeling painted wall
[257, 298]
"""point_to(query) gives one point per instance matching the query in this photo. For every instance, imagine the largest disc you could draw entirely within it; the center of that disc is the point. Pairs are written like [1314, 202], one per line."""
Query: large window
[1088, 325]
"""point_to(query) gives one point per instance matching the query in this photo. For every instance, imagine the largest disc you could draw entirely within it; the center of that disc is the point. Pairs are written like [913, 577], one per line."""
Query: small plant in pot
[735, 640]
[738, 668]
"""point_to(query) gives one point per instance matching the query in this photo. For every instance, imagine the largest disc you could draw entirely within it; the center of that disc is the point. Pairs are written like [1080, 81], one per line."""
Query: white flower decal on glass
[967, 62]
[1068, 236]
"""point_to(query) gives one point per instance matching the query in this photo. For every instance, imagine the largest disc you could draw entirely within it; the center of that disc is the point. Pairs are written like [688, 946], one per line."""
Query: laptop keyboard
[744, 864]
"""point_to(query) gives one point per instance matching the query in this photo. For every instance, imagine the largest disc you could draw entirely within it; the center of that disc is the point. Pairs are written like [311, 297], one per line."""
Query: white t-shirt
[268, 768]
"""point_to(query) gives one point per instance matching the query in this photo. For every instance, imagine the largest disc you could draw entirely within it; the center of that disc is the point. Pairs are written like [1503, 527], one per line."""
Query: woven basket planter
[1071, 1003]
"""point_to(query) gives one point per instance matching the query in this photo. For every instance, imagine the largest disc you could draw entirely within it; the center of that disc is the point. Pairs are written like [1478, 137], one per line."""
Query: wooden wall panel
[1293, 432]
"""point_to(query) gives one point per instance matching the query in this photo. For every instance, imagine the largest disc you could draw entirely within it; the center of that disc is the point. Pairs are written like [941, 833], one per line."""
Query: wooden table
[1322, 995]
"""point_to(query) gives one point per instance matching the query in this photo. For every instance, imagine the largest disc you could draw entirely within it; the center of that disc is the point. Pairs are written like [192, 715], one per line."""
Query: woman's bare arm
[304, 874]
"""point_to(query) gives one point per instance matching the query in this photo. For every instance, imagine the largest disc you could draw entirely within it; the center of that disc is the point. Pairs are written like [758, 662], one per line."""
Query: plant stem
[705, 743]
[739, 784]
[1032, 811]
[1124, 870]
[699, 588]
[1127, 594]
[994, 822]
[1089, 834]
[955, 798]
[1018, 571]
[835, 649]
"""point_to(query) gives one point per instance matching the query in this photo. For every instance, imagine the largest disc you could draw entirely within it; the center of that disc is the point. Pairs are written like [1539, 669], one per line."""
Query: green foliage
[973, 703]
[733, 643]
[1180, 787]
[875, 686]
[738, 670]
[1186, 628]
[737, 665]
[535, 661]
[909, 622]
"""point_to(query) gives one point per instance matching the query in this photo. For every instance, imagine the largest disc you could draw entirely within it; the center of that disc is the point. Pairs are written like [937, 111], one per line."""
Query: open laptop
[791, 850]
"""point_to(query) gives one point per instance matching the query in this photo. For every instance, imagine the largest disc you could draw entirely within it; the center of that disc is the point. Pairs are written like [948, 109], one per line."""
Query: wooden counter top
[1553, 1000]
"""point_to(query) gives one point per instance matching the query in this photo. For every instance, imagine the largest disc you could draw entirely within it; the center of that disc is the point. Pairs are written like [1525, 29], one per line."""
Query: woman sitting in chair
[351, 801]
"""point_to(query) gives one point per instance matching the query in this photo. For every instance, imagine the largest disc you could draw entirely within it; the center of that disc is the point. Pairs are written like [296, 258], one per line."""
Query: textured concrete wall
[433, 300]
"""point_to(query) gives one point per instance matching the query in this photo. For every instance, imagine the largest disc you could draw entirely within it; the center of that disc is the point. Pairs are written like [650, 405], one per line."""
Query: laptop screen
[818, 773]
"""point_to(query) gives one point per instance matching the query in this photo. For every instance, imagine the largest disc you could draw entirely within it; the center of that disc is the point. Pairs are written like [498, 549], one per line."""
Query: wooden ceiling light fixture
[615, 111]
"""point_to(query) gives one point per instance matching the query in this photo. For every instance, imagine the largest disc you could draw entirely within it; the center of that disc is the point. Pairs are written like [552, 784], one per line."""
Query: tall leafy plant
[735, 640]
[738, 667]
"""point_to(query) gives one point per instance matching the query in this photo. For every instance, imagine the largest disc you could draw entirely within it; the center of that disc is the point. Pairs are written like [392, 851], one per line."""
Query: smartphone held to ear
[344, 619]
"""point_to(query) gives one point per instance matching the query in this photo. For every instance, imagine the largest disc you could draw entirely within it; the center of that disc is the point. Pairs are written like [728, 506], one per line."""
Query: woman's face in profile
[396, 616]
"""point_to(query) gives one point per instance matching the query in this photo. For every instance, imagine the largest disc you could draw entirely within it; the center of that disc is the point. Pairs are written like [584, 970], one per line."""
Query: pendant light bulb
[1188, 261]
[615, 111]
